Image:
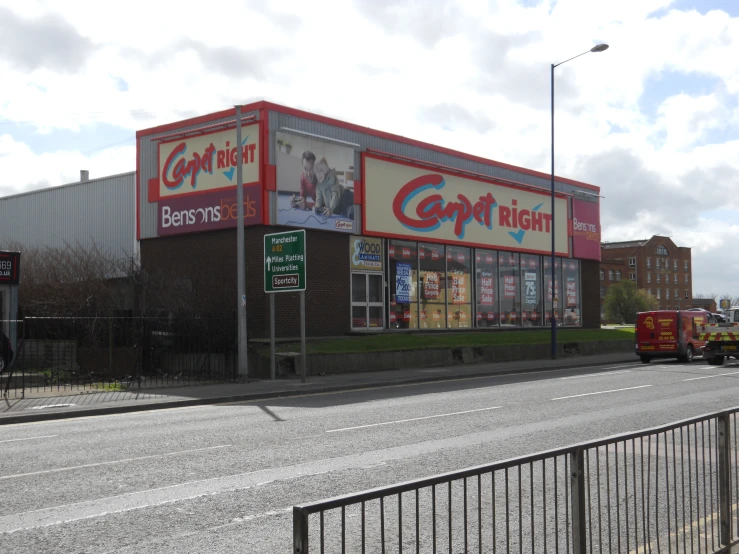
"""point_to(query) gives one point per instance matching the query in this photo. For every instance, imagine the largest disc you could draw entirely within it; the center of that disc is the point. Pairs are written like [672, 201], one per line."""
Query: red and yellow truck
[721, 341]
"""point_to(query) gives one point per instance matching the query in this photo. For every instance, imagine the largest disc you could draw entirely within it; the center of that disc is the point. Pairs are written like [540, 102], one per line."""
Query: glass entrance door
[367, 301]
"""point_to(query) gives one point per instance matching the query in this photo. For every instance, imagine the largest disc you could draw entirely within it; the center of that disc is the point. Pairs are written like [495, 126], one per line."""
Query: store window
[509, 286]
[572, 307]
[486, 277]
[432, 314]
[532, 313]
[403, 285]
[557, 298]
[459, 287]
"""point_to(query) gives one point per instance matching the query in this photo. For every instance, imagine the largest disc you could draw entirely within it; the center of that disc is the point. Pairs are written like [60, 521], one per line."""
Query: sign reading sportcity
[406, 200]
[284, 261]
[208, 162]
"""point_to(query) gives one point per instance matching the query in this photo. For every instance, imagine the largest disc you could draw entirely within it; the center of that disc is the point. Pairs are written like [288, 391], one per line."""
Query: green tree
[624, 301]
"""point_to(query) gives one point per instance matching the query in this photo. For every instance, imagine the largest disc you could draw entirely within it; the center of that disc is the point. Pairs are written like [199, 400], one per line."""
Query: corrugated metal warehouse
[92, 211]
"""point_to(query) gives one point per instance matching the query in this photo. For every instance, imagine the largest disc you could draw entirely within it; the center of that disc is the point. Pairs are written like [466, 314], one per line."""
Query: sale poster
[509, 286]
[403, 283]
[530, 296]
[431, 286]
[487, 292]
[571, 291]
[459, 289]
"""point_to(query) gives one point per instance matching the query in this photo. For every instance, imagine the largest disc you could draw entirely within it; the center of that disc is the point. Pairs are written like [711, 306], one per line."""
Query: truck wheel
[645, 359]
[689, 354]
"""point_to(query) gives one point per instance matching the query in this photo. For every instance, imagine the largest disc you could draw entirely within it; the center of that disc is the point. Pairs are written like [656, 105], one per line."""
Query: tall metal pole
[554, 293]
[240, 261]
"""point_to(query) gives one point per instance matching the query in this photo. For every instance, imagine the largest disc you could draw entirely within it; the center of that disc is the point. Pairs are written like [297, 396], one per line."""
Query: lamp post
[598, 48]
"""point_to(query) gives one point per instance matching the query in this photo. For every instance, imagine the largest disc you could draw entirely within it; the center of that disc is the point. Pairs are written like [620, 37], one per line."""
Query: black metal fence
[109, 352]
[671, 489]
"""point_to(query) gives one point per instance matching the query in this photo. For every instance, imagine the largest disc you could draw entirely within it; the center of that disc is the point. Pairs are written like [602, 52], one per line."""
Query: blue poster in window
[403, 283]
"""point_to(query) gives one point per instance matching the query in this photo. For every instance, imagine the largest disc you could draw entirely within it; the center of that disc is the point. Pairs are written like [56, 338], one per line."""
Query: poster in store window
[571, 291]
[530, 292]
[403, 283]
[509, 286]
[459, 289]
[432, 285]
[487, 291]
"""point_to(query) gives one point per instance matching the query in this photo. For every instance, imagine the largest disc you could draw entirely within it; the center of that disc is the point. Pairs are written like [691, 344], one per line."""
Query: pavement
[224, 477]
[51, 404]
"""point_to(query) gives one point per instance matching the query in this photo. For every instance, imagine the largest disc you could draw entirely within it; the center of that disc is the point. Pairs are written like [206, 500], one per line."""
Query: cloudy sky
[653, 121]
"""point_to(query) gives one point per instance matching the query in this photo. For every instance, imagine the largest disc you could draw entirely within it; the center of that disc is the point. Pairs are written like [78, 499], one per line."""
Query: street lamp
[598, 48]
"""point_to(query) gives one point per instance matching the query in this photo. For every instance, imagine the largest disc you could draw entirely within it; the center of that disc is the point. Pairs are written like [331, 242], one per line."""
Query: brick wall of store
[590, 291]
[208, 260]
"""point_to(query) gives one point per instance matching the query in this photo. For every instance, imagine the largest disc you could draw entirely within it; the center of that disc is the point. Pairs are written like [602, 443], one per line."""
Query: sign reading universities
[284, 261]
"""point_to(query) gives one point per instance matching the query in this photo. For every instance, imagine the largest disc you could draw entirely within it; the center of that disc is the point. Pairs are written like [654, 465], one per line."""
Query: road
[224, 478]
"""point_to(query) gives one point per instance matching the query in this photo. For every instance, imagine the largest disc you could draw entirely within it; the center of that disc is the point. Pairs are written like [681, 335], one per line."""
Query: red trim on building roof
[264, 105]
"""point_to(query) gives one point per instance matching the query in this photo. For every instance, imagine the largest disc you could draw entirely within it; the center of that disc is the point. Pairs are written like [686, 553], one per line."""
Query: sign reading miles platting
[405, 200]
[284, 262]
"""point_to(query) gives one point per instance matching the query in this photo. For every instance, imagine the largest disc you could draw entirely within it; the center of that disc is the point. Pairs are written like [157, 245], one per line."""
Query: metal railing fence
[672, 488]
[116, 353]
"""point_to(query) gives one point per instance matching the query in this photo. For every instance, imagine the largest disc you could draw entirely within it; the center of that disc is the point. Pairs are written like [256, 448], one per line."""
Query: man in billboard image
[308, 182]
[331, 196]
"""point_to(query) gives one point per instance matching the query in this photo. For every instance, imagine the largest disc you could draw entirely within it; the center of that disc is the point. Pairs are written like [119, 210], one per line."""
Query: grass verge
[406, 341]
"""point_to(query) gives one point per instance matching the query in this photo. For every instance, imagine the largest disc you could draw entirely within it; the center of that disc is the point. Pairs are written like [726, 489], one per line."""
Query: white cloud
[467, 74]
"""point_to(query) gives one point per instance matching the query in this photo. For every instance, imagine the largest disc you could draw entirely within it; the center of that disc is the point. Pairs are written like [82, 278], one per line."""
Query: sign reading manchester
[10, 268]
[284, 261]
[208, 162]
[405, 200]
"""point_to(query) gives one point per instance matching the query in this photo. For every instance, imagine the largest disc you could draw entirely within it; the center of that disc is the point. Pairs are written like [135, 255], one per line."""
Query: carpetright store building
[401, 235]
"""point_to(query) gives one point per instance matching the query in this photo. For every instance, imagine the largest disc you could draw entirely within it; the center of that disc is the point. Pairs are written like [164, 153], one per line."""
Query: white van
[732, 314]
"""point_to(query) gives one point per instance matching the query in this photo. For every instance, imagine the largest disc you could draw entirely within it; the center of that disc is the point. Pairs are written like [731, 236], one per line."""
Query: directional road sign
[284, 261]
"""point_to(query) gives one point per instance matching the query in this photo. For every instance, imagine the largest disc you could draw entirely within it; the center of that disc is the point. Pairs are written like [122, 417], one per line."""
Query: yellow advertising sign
[208, 162]
[404, 200]
[365, 253]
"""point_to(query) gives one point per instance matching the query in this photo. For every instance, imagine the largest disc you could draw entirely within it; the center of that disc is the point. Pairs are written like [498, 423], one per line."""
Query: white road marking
[597, 374]
[710, 376]
[411, 419]
[601, 392]
[50, 406]
[30, 438]
[153, 456]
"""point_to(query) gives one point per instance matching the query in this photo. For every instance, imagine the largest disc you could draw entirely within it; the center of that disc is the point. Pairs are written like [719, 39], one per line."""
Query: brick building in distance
[656, 264]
